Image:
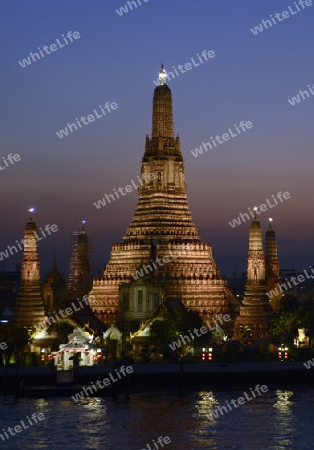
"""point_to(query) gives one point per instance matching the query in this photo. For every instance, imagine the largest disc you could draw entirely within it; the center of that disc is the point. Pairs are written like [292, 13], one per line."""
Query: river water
[282, 418]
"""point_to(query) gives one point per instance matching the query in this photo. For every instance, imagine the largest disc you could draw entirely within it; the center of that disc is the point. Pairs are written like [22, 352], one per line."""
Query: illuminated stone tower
[29, 308]
[161, 230]
[255, 312]
[272, 265]
[80, 280]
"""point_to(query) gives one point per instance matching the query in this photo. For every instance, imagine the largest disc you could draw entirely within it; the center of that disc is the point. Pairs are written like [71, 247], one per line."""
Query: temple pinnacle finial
[270, 223]
[162, 75]
[31, 211]
[255, 213]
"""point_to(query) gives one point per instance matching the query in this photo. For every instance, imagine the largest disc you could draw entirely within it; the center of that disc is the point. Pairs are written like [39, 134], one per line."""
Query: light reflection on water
[280, 419]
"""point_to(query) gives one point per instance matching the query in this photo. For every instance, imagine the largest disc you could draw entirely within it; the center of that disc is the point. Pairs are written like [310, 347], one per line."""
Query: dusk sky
[115, 59]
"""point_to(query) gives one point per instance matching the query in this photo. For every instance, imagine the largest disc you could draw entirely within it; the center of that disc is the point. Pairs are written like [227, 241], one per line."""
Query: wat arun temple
[162, 226]
[161, 258]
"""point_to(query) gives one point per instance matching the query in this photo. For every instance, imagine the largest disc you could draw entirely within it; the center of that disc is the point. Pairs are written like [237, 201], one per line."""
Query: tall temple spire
[272, 265]
[80, 266]
[162, 113]
[271, 255]
[162, 206]
[256, 261]
[255, 312]
[135, 279]
[29, 308]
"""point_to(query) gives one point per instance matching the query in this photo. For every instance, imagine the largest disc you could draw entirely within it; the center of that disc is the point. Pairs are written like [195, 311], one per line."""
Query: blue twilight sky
[116, 59]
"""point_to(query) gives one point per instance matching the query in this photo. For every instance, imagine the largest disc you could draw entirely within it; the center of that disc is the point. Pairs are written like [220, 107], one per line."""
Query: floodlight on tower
[162, 75]
[31, 211]
[83, 222]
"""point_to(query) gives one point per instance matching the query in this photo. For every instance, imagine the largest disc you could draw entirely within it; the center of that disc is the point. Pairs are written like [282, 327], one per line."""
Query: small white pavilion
[80, 345]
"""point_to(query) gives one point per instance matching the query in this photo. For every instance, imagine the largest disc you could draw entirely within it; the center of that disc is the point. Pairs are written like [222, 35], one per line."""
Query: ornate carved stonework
[162, 227]
[272, 266]
[255, 311]
[29, 308]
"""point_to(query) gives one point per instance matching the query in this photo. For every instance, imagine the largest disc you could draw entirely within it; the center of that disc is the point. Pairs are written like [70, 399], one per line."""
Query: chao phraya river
[282, 418]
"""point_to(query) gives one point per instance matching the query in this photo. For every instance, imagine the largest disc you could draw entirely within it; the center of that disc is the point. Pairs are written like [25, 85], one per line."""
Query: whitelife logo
[124, 9]
[30, 241]
[161, 441]
[18, 428]
[128, 188]
[263, 207]
[284, 15]
[166, 259]
[221, 139]
[90, 118]
[236, 403]
[187, 66]
[309, 363]
[202, 330]
[53, 48]
[287, 285]
[11, 158]
[68, 311]
[86, 392]
[3, 346]
[294, 100]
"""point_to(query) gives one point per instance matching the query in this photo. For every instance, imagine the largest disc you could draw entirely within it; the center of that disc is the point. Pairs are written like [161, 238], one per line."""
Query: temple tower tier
[29, 309]
[272, 266]
[161, 254]
[255, 313]
[80, 279]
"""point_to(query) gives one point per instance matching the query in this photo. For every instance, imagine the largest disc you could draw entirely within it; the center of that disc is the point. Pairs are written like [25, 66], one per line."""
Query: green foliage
[285, 326]
[15, 336]
[161, 331]
[293, 315]
[179, 323]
